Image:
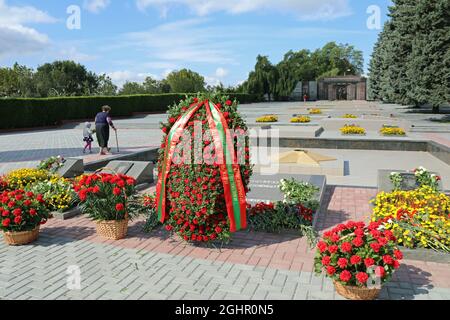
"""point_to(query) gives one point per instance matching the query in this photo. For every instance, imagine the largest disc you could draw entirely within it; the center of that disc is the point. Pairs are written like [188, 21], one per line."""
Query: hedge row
[28, 113]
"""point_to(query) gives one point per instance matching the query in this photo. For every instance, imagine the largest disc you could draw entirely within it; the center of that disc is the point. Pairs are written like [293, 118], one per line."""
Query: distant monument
[332, 88]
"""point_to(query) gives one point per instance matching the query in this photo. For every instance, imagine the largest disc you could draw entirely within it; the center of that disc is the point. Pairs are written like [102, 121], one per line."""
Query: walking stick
[117, 142]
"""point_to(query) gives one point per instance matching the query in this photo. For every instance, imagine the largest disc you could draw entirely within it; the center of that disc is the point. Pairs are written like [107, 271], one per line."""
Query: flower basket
[112, 230]
[22, 237]
[356, 293]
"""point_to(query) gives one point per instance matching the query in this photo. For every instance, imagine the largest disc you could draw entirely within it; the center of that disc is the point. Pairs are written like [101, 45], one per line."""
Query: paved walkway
[157, 266]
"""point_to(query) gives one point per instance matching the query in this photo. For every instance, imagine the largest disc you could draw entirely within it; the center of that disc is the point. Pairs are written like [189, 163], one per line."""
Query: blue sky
[220, 39]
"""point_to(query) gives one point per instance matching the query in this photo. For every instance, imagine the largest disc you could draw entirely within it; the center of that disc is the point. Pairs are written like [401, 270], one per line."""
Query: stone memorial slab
[71, 168]
[142, 171]
[266, 188]
[408, 183]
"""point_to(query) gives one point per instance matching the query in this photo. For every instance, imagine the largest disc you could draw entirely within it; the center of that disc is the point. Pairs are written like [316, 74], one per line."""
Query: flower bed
[302, 119]
[418, 218]
[23, 178]
[389, 131]
[352, 129]
[267, 118]
[356, 255]
[315, 111]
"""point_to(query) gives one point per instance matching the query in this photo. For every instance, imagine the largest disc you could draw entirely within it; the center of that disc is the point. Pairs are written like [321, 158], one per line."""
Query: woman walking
[102, 123]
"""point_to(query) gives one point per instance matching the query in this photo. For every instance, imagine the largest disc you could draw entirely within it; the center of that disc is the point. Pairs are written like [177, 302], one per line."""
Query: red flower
[169, 227]
[333, 248]
[165, 130]
[355, 259]
[117, 191]
[346, 247]
[359, 232]
[375, 247]
[342, 263]
[331, 270]
[380, 272]
[27, 203]
[218, 229]
[17, 212]
[196, 100]
[96, 189]
[345, 276]
[6, 222]
[398, 254]
[326, 260]
[33, 212]
[5, 213]
[396, 264]
[369, 262]
[387, 259]
[120, 207]
[228, 103]
[18, 219]
[322, 246]
[358, 242]
[172, 120]
[362, 277]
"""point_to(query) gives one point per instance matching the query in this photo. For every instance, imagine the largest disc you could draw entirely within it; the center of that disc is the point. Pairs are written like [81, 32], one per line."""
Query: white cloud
[303, 9]
[122, 76]
[186, 41]
[221, 72]
[95, 6]
[15, 36]
[72, 53]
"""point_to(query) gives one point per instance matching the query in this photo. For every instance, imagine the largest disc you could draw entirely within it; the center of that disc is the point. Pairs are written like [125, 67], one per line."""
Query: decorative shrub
[52, 164]
[57, 192]
[352, 129]
[354, 254]
[23, 178]
[315, 111]
[388, 131]
[349, 116]
[22, 211]
[194, 193]
[267, 118]
[34, 112]
[418, 218]
[106, 197]
[302, 119]
[297, 192]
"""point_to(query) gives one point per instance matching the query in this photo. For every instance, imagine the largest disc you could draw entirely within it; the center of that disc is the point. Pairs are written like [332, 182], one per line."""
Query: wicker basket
[21, 238]
[356, 293]
[113, 230]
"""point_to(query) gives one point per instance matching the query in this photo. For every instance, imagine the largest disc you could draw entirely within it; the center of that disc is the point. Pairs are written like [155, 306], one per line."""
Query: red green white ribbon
[234, 191]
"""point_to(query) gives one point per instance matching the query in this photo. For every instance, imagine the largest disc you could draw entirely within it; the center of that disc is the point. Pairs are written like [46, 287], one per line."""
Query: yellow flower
[267, 118]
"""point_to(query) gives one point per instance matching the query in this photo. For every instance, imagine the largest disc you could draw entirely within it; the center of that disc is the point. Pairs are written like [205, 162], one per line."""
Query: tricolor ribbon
[230, 173]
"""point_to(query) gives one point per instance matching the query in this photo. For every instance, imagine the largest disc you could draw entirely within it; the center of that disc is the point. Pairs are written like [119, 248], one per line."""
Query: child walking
[87, 137]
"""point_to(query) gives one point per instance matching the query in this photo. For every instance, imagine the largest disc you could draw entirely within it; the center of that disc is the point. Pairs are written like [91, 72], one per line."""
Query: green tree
[264, 78]
[17, 82]
[130, 88]
[428, 67]
[185, 81]
[105, 86]
[65, 78]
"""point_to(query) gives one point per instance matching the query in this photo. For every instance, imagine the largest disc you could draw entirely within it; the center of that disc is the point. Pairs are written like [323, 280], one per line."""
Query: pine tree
[429, 64]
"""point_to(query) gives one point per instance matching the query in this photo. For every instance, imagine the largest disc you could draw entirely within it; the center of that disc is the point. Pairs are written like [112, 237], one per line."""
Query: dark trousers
[102, 132]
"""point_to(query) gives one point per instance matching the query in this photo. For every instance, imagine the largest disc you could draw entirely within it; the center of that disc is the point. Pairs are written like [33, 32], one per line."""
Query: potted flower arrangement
[358, 258]
[301, 119]
[21, 215]
[267, 118]
[105, 198]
